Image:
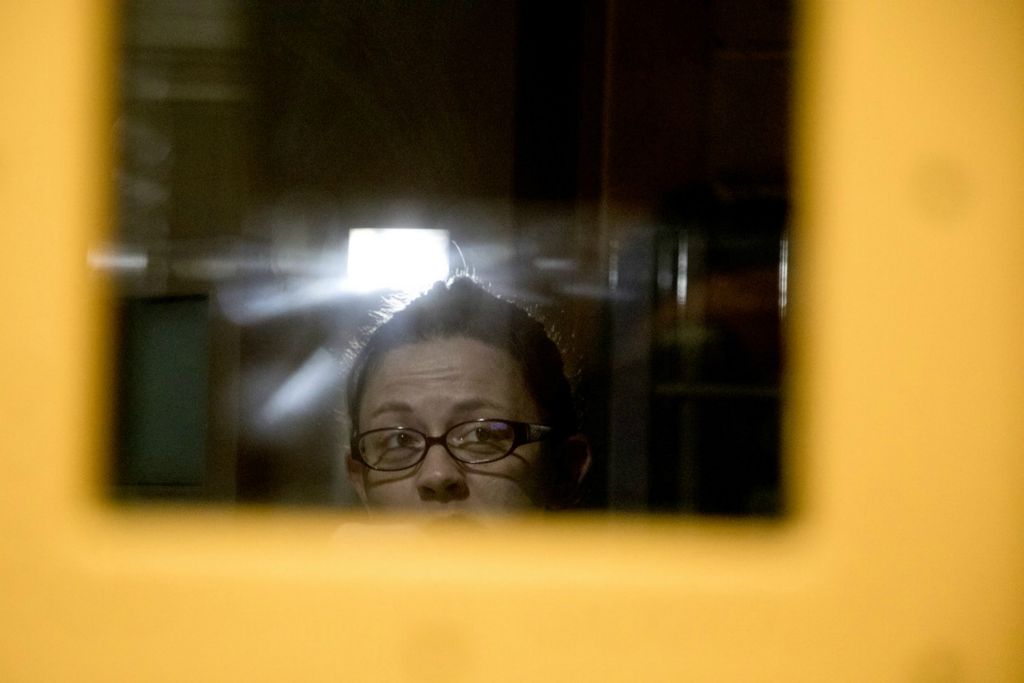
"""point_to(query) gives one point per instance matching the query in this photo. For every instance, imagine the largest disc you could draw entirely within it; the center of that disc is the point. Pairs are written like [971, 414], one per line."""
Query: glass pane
[289, 172]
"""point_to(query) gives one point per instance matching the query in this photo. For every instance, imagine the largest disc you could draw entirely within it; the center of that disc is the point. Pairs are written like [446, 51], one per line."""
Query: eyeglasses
[474, 443]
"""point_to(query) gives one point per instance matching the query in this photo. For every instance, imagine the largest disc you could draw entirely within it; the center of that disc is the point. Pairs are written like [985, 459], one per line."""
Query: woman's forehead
[456, 351]
[458, 369]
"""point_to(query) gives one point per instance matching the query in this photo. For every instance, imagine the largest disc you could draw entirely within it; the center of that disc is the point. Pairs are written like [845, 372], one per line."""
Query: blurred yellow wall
[903, 560]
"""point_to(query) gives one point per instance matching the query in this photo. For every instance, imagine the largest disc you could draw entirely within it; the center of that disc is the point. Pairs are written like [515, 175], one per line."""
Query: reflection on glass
[459, 404]
[292, 174]
[397, 259]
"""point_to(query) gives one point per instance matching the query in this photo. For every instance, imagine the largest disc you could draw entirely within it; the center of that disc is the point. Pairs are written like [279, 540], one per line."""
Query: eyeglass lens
[470, 442]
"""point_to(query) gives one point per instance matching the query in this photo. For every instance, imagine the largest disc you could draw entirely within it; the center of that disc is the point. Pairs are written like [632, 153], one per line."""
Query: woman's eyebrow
[391, 407]
[471, 404]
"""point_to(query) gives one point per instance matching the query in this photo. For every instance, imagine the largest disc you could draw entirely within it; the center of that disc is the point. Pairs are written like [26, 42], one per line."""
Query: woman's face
[430, 386]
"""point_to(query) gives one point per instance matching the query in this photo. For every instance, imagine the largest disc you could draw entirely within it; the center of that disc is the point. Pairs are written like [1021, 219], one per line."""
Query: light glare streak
[302, 389]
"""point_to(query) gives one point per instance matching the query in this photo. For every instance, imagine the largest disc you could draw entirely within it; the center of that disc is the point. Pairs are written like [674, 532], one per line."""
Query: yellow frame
[903, 558]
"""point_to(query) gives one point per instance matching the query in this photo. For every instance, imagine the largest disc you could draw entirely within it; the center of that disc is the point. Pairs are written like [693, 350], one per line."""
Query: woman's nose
[440, 477]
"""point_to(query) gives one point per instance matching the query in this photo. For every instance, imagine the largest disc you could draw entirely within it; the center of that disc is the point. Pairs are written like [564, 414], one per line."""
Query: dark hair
[462, 308]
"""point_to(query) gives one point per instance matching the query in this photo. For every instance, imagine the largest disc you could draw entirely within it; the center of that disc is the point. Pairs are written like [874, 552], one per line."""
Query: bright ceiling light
[400, 259]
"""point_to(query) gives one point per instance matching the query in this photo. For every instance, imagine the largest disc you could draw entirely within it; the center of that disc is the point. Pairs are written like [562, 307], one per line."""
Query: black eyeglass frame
[522, 433]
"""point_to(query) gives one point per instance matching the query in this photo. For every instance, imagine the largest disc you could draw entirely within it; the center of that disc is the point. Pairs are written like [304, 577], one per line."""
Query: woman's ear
[576, 459]
[355, 471]
[577, 451]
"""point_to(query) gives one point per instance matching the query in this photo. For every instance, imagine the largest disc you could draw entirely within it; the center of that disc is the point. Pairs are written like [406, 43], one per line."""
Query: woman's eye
[483, 434]
[486, 435]
[398, 440]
